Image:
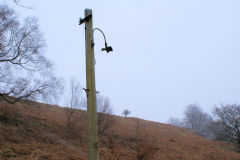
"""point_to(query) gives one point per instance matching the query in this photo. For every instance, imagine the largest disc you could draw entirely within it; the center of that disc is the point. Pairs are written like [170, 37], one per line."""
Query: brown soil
[34, 131]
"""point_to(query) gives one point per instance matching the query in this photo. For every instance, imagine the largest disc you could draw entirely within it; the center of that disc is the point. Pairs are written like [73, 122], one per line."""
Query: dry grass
[34, 131]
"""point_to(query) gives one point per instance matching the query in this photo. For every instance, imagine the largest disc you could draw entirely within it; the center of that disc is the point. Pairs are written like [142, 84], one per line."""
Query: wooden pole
[91, 89]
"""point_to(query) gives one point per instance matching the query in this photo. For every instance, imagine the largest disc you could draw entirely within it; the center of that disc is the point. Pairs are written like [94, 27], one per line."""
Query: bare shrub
[73, 116]
[104, 118]
[6, 111]
[144, 146]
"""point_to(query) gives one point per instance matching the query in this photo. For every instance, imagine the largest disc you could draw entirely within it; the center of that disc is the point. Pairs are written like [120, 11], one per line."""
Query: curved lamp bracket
[107, 48]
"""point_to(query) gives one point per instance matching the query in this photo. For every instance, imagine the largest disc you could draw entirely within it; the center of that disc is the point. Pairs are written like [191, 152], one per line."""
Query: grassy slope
[37, 131]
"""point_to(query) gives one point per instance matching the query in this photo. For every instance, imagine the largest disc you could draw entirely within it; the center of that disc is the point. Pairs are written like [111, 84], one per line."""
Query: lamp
[107, 48]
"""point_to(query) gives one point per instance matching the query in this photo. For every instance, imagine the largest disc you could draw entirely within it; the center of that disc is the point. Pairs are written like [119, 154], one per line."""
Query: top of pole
[88, 15]
[87, 12]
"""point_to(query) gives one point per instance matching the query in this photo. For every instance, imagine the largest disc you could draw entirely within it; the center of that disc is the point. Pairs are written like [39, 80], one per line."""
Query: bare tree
[229, 117]
[196, 120]
[19, 3]
[76, 99]
[25, 73]
[176, 122]
[126, 112]
[74, 103]
[218, 131]
[104, 117]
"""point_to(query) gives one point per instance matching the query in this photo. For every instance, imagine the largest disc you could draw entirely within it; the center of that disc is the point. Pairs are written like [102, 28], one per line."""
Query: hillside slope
[34, 131]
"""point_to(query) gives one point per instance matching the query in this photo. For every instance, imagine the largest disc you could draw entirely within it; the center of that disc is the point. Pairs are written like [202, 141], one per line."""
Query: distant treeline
[223, 124]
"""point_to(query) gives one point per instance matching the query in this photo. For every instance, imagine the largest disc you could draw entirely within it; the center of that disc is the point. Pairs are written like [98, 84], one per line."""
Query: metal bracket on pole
[86, 90]
[81, 21]
[92, 43]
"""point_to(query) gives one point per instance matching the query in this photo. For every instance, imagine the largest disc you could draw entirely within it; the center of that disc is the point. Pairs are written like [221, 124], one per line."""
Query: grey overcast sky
[167, 53]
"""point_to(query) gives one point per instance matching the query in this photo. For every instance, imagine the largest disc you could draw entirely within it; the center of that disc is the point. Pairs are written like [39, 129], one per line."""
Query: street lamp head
[107, 48]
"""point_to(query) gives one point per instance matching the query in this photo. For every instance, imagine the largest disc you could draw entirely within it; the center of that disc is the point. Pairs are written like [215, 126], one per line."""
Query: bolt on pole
[91, 88]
